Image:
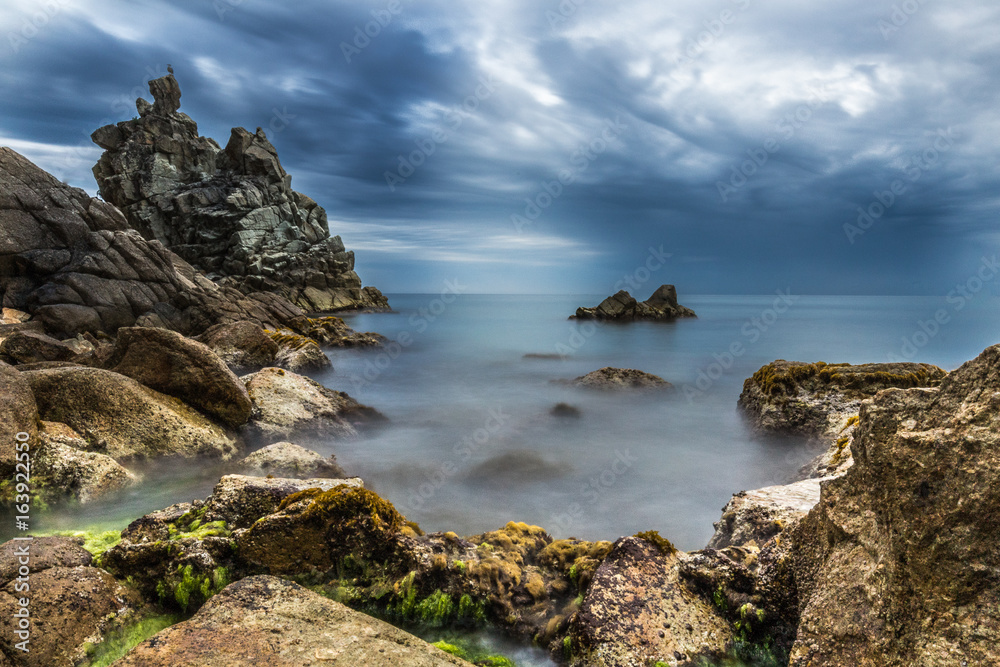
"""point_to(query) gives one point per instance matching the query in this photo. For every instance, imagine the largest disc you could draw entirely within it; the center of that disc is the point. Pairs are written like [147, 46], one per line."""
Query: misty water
[471, 443]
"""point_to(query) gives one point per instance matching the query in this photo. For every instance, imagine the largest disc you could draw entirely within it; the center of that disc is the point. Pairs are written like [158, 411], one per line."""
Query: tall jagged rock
[75, 265]
[229, 212]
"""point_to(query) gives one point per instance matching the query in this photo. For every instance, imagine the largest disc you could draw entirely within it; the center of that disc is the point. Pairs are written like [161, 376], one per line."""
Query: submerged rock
[119, 417]
[793, 397]
[894, 566]
[230, 212]
[622, 307]
[269, 621]
[610, 379]
[285, 459]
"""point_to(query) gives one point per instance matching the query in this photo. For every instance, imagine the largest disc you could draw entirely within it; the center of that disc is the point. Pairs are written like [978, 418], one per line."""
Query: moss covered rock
[793, 397]
[268, 621]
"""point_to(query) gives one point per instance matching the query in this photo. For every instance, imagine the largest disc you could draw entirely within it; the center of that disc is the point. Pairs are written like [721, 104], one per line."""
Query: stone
[27, 347]
[73, 263]
[244, 346]
[241, 500]
[636, 613]
[291, 406]
[895, 564]
[264, 620]
[229, 212]
[72, 604]
[754, 517]
[125, 420]
[64, 470]
[18, 414]
[623, 307]
[14, 316]
[186, 369]
[297, 352]
[816, 400]
[617, 379]
[285, 459]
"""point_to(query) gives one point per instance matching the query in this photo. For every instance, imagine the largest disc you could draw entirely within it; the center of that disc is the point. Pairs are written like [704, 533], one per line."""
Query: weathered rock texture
[897, 563]
[616, 379]
[72, 604]
[293, 406]
[285, 459]
[754, 517]
[636, 612]
[230, 212]
[76, 266]
[269, 621]
[623, 307]
[793, 397]
[119, 417]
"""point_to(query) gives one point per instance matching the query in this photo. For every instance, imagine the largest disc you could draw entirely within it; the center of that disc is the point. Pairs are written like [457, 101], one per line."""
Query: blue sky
[545, 147]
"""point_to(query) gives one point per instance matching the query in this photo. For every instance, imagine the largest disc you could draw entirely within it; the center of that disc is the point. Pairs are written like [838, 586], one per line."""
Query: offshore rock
[622, 307]
[618, 379]
[230, 212]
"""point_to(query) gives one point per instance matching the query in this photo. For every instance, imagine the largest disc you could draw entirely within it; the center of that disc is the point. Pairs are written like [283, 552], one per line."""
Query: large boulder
[623, 307]
[244, 346]
[816, 400]
[264, 620]
[62, 468]
[293, 406]
[636, 613]
[22, 347]
[74, 264]
[71, 604]
[119, 417]
[896, 565]
[241, 500]
[297, 352]
[186, 369]
[615, 379]
[285, 459]
[18, 414]
[230, 212]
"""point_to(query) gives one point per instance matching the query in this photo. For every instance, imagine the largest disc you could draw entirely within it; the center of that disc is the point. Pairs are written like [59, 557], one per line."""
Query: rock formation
[793, 397]
[896, 564]
[616, 379]
[270, 621]
[622, 307]
[73, 263]
[229, 212]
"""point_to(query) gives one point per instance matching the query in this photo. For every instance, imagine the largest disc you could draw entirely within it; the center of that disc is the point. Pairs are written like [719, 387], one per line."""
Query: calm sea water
[472, 445]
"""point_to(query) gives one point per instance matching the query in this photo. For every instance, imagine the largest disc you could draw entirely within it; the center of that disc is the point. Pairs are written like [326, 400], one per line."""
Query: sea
[469, 382]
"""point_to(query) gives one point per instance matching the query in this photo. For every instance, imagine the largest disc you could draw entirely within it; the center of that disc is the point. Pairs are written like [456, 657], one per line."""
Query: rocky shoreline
[172, 327]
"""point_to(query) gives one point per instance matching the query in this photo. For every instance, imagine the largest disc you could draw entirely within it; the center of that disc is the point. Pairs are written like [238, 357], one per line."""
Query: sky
[545, 146]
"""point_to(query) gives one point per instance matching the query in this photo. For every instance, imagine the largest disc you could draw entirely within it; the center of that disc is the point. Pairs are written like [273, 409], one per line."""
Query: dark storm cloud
[750, 137]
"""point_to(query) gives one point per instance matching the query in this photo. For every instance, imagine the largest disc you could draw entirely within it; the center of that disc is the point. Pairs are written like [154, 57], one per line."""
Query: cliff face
[74, 263]
[228, 212]
[897, 564]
